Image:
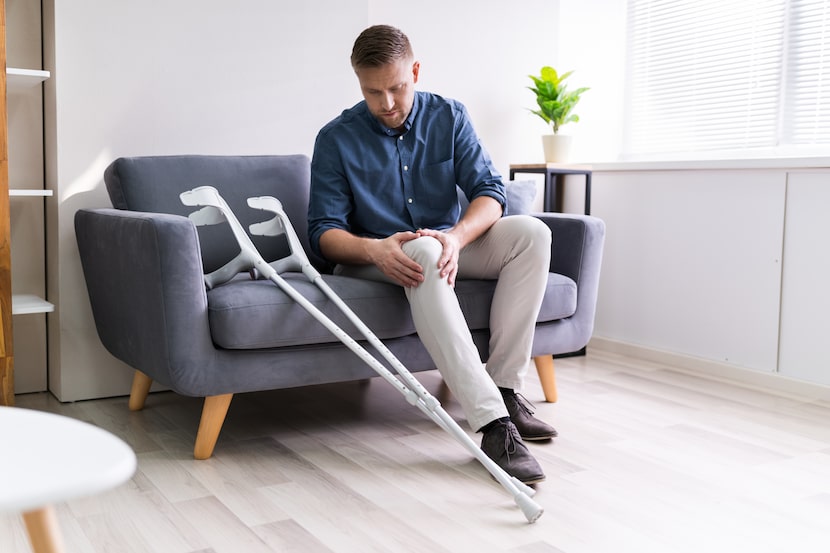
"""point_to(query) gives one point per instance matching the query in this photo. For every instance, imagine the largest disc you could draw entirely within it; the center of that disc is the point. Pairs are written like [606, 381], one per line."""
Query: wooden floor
[649, 459]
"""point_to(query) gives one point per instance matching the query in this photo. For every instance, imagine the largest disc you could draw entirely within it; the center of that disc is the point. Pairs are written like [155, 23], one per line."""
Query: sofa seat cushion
[256, 314]
[475, 297]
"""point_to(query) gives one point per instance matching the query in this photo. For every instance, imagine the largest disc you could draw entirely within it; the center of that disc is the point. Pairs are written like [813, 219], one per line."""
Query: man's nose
[387, 101]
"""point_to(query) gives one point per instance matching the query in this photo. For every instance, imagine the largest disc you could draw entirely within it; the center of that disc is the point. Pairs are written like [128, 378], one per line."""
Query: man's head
[387, 71]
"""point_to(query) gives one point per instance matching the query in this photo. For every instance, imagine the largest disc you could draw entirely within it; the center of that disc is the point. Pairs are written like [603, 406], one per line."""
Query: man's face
[389, 90]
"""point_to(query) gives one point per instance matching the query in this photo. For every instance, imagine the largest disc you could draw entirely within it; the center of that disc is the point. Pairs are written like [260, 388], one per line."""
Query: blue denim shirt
[372, 181]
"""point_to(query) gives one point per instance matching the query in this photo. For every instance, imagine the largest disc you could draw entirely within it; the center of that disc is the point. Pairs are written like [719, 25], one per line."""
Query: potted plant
[556, 104]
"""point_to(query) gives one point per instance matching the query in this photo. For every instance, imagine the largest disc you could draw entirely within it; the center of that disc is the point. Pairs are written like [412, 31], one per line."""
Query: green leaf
[554, 99]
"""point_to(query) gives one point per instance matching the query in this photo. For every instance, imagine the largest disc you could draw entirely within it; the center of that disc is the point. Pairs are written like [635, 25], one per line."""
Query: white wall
[592, 44]
[156, 77]
[481, 53]
[253, 77]
[693, 261]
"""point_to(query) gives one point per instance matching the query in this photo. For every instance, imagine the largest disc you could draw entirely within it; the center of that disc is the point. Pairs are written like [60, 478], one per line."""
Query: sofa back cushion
[153, 184]
[520, 195]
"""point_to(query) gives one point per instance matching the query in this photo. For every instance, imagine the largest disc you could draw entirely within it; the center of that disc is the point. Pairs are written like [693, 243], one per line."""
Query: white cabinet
[805, 298]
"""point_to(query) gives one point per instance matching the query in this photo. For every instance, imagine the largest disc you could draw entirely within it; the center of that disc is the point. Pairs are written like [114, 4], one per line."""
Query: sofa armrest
[577, 242]
[144, 277]
[576, 252]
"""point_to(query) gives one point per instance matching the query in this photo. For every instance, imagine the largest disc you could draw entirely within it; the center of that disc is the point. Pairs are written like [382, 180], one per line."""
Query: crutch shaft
[413, 390]
[422, 398]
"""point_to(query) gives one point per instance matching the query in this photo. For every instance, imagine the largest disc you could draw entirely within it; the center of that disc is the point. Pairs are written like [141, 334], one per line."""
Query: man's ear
[416, 68]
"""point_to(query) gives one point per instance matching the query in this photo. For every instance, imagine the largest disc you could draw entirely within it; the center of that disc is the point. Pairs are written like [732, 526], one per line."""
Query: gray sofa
[144, 261]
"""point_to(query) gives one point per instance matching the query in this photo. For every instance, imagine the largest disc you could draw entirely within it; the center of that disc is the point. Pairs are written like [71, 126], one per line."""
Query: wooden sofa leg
[213, 415]
[547, 376]
[139, 391]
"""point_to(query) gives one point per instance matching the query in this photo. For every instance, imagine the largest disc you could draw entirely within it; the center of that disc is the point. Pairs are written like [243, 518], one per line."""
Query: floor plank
[650, 458]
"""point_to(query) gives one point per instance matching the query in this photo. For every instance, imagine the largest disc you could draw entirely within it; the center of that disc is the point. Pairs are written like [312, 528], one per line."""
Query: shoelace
[524, 404]
[510, 437]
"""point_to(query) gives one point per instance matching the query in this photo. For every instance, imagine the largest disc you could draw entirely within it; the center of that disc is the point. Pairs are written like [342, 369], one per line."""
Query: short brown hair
[380, 45]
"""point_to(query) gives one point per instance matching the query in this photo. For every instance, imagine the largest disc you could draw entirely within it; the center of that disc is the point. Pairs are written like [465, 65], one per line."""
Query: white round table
[47, 458]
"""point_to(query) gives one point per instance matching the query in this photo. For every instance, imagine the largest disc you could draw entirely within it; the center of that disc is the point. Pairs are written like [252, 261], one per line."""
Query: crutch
[215, 210]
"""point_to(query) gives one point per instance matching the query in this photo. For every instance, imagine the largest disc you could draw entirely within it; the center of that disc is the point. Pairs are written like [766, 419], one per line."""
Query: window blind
[706, 75]
[806, 113]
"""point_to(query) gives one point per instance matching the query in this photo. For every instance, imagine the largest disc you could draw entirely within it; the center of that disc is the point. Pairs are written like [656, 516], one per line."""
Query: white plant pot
[557, 147]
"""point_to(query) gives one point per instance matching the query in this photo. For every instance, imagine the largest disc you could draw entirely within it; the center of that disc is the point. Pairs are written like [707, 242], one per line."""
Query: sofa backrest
[153, 184]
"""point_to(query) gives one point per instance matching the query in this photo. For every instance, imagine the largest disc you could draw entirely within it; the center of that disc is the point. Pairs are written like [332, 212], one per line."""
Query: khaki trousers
[516, 251]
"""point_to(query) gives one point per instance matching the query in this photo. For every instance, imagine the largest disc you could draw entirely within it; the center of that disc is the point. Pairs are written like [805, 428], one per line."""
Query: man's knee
[535, 226]
[528, 230]
[425, 251]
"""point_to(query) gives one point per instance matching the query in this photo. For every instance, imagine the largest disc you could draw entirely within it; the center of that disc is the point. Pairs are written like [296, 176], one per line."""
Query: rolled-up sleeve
[474, 170]
[330, 200]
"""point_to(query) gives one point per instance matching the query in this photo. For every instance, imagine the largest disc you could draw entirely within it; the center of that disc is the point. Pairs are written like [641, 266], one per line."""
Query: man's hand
[448, 262]
[482, 212]
[389, 257]
[340, 246]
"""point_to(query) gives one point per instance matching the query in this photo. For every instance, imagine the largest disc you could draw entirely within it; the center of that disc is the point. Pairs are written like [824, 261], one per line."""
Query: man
[384, 206]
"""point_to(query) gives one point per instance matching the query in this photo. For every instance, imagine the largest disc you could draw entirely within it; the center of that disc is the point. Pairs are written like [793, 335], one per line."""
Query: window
[721, 76]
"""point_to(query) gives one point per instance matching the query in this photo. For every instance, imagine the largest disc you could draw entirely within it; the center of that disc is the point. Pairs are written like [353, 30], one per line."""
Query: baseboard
[768, 382]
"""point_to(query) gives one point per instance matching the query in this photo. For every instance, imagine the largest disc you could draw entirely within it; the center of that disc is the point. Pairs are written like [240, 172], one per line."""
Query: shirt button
[400, 137]
[406, 167]
[409, 200]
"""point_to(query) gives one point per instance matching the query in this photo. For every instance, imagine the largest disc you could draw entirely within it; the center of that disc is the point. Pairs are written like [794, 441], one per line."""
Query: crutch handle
[280, 224]
[226, 272]
[215, 210]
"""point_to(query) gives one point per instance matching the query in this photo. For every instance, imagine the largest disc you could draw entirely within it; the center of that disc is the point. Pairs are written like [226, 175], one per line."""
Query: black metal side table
[553, 172]
[553, 193]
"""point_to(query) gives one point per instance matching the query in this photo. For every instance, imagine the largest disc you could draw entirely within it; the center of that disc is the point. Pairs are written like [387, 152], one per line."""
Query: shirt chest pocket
[436, 185]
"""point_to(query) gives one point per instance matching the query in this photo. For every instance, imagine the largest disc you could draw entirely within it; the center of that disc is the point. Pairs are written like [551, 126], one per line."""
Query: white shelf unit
[19, 80]
[27, 304]
[28, 192]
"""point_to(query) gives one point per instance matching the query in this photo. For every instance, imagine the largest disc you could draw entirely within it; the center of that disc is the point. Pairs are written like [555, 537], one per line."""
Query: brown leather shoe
[530, 428]
[502, 444]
